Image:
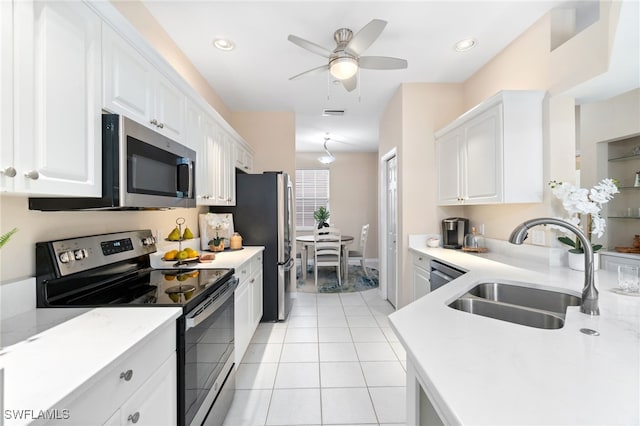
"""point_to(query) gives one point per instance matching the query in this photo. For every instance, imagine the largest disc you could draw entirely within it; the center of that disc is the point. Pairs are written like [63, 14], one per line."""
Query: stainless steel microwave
[141, 169]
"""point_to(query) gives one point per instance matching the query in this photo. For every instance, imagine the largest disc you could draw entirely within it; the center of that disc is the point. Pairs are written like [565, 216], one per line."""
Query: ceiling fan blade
[365, 37]
[311, 71]
[350, 83]
[382, 63]
[310, 46]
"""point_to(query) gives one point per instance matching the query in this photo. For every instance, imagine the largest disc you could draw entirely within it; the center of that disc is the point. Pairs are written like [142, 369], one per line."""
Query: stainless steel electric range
[114, 270]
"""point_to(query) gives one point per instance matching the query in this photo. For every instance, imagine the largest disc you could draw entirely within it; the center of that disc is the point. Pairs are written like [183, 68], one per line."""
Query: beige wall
[146, 24]
[353, 193]
[408, 124]
[272, 136]
[17, 257]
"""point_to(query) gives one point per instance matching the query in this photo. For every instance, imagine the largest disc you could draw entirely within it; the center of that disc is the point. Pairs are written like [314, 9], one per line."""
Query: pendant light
[329, 158]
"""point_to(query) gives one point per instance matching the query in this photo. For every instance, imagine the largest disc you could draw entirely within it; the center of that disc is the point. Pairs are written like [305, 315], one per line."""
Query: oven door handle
[213, 305]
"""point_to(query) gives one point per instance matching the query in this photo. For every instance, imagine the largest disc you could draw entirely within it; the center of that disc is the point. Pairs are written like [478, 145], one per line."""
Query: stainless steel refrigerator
[263, 215]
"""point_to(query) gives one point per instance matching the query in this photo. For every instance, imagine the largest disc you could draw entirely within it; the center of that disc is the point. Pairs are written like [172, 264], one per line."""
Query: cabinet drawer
[422, 261]
[243, 271]
[111, 388]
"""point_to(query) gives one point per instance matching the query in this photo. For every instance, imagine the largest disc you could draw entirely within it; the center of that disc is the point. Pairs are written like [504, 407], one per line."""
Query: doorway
[389, 210]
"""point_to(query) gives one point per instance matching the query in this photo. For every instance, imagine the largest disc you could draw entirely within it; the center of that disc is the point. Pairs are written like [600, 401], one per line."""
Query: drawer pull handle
[33, 174]
[127, 375]
[419, 258]
[133, 418]
[253, 280]
[8, 172]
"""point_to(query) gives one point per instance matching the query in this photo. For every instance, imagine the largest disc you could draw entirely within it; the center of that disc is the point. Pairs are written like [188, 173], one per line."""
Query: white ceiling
[254, 77]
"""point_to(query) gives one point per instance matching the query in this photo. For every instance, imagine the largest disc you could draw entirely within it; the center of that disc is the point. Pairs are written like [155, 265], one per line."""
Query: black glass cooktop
[157, 287]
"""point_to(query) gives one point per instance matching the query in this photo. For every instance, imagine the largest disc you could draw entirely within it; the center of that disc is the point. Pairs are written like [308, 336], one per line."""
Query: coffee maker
[453, 231]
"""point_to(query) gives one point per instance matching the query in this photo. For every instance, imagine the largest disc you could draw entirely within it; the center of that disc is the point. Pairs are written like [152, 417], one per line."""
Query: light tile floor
[335, 361]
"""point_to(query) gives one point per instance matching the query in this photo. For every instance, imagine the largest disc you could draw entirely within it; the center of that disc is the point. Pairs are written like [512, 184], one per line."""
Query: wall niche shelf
[623, 161]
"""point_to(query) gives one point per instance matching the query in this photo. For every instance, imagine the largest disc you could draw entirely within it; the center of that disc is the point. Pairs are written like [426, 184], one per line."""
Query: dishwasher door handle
[443, 276]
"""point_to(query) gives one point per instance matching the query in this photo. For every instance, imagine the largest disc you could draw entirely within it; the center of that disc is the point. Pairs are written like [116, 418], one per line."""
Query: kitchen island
[469, 369]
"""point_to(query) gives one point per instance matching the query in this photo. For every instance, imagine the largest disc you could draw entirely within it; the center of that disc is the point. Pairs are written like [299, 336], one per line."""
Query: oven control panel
[80, 254]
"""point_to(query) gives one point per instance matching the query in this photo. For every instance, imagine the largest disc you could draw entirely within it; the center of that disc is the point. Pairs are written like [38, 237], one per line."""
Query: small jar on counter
[235, 241]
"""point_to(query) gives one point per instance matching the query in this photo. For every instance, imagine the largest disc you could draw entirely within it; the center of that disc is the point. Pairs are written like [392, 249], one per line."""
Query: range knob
[80, 254]
[148, 241]
[67, 256]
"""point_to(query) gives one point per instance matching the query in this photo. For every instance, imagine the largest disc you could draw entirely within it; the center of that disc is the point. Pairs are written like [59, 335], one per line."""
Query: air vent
[332, 112]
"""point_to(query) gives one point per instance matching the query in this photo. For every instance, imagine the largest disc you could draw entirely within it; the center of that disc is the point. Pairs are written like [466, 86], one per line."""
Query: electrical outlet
[537, 237]
[481, 229]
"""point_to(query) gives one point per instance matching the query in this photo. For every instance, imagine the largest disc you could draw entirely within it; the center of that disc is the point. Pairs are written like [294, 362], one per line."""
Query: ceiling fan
[345, 59]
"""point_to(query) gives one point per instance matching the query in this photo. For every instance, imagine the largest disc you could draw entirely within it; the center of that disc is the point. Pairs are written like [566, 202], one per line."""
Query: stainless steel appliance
[114, 270]
[140, 169]
[453, 231]
[442, 274]
[263, 215]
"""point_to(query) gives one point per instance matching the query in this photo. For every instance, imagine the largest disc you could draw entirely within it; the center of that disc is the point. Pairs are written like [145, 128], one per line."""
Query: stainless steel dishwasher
[442, 273]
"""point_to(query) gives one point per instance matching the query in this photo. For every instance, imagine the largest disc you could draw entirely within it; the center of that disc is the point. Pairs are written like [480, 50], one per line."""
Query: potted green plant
[217, 243]
[321, 215]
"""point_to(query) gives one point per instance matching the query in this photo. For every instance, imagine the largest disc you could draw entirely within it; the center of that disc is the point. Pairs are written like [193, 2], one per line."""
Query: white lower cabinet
[140, 386]
[420, 275]
[248, 304]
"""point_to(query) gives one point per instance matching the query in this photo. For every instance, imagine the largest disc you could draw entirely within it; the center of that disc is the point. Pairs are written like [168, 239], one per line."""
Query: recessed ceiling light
[464, 45]
[224, 44]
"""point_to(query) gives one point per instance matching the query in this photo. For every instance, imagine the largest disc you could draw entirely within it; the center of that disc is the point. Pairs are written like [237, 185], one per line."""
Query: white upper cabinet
[7, 165]
[493, 153]
[243, 158]
[215, 181]
[56, 144]
[135, 88]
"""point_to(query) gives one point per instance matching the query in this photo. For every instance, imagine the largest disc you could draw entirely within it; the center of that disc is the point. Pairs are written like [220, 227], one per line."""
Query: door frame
[382, 213]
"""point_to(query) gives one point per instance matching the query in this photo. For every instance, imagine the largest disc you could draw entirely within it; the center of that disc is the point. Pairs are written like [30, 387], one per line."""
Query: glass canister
[235, 241]
[474, 240]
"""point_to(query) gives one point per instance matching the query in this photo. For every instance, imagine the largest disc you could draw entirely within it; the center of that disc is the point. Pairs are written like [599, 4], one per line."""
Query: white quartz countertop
[225, 259]
[44, 369]
[482, 371]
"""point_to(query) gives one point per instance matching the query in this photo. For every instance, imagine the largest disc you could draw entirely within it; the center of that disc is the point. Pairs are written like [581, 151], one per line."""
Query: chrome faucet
[589, 304]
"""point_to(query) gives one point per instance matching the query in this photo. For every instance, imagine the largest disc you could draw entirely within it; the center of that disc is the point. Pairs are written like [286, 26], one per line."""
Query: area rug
[328, 281]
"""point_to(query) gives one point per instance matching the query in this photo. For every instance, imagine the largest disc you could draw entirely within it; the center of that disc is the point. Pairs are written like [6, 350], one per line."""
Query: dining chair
[327, 248]
[360, 252]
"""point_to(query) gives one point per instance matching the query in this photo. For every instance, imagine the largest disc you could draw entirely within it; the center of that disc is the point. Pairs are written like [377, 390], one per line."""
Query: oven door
[156, 167]
[207, 370]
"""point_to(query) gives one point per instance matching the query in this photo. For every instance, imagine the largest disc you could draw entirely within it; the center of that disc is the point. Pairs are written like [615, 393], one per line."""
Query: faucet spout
[589, 304]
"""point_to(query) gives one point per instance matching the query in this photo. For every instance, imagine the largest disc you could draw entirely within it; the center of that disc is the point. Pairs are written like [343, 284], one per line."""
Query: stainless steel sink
[527, 306]
[529, 297]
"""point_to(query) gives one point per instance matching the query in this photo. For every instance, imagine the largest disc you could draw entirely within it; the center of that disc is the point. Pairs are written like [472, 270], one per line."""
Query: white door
[392, 231]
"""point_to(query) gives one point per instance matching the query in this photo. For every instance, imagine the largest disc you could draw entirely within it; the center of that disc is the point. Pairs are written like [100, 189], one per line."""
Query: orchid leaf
[568, 241]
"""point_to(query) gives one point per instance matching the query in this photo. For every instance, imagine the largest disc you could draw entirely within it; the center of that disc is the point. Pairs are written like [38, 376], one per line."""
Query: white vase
[576, 261]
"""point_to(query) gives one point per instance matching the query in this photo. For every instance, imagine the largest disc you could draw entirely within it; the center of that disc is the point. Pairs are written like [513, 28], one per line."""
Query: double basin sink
[517, 304]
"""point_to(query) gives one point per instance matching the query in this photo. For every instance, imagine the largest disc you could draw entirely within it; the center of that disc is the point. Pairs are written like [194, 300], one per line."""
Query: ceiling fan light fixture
[464, 45]
[224, 44]
[343, 67]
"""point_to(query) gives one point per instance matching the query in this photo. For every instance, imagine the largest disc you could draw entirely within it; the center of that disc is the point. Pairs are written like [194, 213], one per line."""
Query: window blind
[312, 191]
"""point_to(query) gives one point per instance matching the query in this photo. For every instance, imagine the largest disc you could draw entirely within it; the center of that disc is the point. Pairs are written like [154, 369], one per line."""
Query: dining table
[309, 241]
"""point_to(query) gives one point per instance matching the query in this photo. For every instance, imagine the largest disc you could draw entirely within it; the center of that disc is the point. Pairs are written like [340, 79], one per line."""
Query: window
[312, 191]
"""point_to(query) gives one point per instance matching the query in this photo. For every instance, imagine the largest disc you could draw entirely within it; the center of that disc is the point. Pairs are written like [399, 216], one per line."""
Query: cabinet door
[242, 319]
[169, 109]
[449, 168]
[128, 79]
[483, 155]
[421, 282]
[57, 126]
[7, 164]
[155, 402]
[256, 305]
[205, 165]
[230, 172]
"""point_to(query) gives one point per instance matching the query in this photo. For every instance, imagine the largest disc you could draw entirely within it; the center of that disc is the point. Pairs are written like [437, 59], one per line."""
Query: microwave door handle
[191, 176]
